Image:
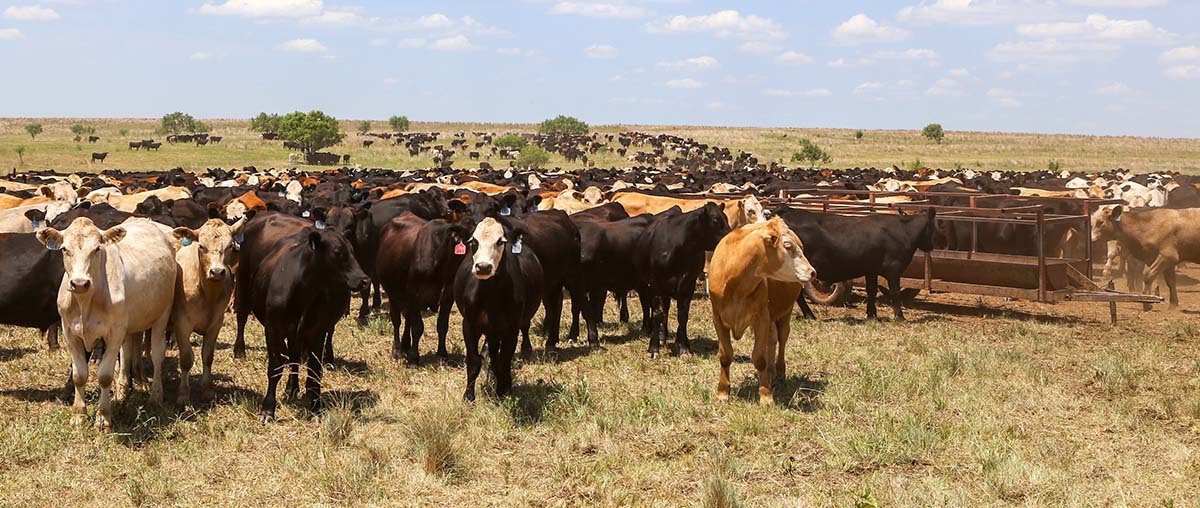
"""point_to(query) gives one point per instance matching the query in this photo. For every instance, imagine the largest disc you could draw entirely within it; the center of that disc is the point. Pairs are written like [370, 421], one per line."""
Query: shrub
[858, 134]
[1054, 166]
[312, 131]
[123, 132]
[177, 122]
[364, 127]
[265, 123]
[811, 153]
[533, 157]
[563, 125]
[934, 132]
[81, 129]
[33, 129]
[20, 153]
[510, 141]
[399, 123]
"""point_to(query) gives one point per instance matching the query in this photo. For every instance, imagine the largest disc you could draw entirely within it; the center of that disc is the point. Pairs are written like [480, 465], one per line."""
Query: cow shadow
[350, 366]
[356, 401]
[798, 393]
[8, 354]
[992, 313]
[35, 394]
[528, 402]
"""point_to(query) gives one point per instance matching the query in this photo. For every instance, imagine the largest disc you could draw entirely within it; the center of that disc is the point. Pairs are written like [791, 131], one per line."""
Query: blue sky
[1078, 66]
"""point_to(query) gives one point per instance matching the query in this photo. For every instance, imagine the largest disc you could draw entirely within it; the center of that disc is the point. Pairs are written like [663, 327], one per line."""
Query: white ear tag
[305, 214]
[506, 211]
[281, 194]
[320, 224]
[517, 247]
[53, 244]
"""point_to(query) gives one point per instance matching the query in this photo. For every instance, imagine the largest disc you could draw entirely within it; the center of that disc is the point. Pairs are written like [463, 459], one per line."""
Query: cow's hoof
[722, 396]
[684, 352]
[78, 419]
[652, 354]
[239, 354]
[363, 321]
[156, 395]
[413, 361]
[102, 425]
[266, 417]
[596, 346]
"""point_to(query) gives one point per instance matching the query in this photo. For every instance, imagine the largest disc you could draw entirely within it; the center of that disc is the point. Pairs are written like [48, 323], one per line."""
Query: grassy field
[992, 151]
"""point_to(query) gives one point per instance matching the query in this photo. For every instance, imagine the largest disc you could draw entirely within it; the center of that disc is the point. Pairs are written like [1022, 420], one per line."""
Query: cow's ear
[1116, 213]
[182, 233]
[214, 211]
[456, 205]
[50, 237]
[771, 237]
[112, 235]
[249, 214]
[35, 215]
[531, 204]
[46, 191]
[314, 240]
[236, 229]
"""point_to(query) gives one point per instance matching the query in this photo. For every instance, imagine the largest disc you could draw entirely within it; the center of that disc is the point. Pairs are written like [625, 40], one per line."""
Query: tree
[21, 153]
[858, 134]
[934, 132]
[81, 129]
[563, 125]
[1054, 166]
[532, 157]
[175, 123]
[265, 123]
[510, 142]
[123, 132]
[312, 131]
[811, 153]
[364, 127]
[399, 123]
[33, 129]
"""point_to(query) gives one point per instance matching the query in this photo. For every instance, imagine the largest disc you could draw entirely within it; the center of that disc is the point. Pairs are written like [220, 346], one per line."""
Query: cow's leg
[327, 341]
[552, 302]
[239, 343]
[183, 342]
[526, 345]
[130, 358]
[105, 373]
[783, 328]
[377, 291]
[79, 377]
[1164, 264]
[654, 328]
[502, 360]
[158, 352]
[207, 348]
[804, 308]
[894, 289]
[416, 328]
[725, 355]
[275, 367]
[595, 309]
[622, 299]
[312, 379]
[764, 357]
[364, 309]
[1169, 277]
[872, 291]
[396, 313]
[443, 324]
[683, 310]
[474, 362]
[52, 337]
[647, 311]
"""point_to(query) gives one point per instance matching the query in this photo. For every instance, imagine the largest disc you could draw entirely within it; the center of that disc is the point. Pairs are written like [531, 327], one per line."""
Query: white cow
[25, 219]
[118, 283]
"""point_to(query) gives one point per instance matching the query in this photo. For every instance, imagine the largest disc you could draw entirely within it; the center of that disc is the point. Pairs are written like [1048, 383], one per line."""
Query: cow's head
[750, 211]
[488, 243]
[714, 224]
[1105, 221]
[82, 245]
[785, 259]
[216, 245]
[335, 257]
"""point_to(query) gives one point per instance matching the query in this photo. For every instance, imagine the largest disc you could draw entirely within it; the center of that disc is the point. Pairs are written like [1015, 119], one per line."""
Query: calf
[206, 259]
[757, 271]
[669, 258]
[496, 289]
[1160, 237]
[117, 282]
[844, 248]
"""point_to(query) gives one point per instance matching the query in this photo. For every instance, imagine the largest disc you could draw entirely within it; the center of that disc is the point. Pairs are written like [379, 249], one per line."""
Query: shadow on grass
[800, 393]
[8, 354]
[528, 402]
[985, 312]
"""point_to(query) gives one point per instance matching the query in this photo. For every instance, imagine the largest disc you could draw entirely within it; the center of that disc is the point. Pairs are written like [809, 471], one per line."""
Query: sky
[1113, 67]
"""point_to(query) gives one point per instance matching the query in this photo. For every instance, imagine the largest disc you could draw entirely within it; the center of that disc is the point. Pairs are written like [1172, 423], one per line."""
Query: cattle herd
[114, 263]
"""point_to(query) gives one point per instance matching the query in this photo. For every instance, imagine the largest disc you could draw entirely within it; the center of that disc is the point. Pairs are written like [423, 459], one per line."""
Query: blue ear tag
[505, 211]
[239, 238]
[53, 244]
[36, 224]
[306, 214]
[320, 224]
[518, 247]
[186, 241]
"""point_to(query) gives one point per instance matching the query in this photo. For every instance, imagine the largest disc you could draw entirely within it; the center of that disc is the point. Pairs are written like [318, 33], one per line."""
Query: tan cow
[118, 283]
[129, 202]
[207, 260]
[740, 212]
[26, 219]
[1159, 237]
[757, 273]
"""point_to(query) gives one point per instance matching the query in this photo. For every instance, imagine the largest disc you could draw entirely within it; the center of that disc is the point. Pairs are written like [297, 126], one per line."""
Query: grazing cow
[152, 146]
[497, 290]
[417, 261]
[93, 139]
[1159, 237]
[298, 285]
[206, 259]
[117, 283]
[29, 284]
[757, 271]
[215, 139]
[367, 143]
[98, 156]
[201, 141]
[134, 145]
[669, 258]
[844, 248]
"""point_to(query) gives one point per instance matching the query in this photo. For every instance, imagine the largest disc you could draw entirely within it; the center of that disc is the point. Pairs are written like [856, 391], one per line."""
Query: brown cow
[1159, 237]
[757, 273]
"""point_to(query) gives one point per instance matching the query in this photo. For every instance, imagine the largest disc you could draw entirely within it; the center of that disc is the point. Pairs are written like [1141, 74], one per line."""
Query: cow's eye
[203, 249]
[66, 252]
[787, 245]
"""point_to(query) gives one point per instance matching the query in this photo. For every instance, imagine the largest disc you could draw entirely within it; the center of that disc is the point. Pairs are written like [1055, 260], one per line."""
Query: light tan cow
[757, 272]
[118, 283]
[26, 219]
[207, 260]
[128, 203]
[740, 212]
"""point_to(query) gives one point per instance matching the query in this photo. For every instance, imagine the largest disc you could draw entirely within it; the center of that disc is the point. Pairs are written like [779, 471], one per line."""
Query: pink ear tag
[460, 248]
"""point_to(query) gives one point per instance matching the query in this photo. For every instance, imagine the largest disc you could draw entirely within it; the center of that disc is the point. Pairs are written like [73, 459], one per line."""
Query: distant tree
[1054, 166]
[510, 141]
[915, 165]
[20, 153]
[265, 123]
[858, 134]
[33, 129]
[811, 153]
[312, 131]
[563, 125]
[532, 157]
[123, 132]
[177, 122]
[364, 127]
[81, 129]
[399, 123]
[934, 132]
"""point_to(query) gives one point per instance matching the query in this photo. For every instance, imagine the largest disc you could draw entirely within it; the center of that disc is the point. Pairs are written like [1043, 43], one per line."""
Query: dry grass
[990, 151]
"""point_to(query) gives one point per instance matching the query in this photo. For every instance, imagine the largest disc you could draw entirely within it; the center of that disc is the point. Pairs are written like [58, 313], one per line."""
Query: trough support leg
[1112, 306]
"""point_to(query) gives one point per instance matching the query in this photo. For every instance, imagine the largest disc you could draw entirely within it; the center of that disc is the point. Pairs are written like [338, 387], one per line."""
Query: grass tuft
[433, 436]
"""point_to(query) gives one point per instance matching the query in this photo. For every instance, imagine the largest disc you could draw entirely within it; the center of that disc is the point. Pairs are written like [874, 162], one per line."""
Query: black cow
[93, 139]
[417, 261]
[669, 258]
[497, 290]
[556, 240]
[29, 284]
[99, 156]
[843, 248]
[297, 286]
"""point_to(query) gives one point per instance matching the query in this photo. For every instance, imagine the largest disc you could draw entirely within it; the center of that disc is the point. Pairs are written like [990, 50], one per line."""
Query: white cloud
[378, 42]
[861, 29]
[944, 87]
[601, 51]
[1118, 3]
[439, 24]
[684, 83]
[411, 43]
[335, 18]
[391, 81]
[867, 87]
[816, 92]
[840, 62]
[1006, 98]
[599, 10]
[727, 24]
[456, 43]
[794, 57]
[200, 56]
[30, 13]
[265, 8]
[959, 73]
[914, 54]
[758, 47]
[1184, 72]
[1052, 51]
[1115, 88]
[699, 63]
[10, 34]
[979, 12]
[1181, 54]
[715, 105]
[1097, 27]
[303, 46]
